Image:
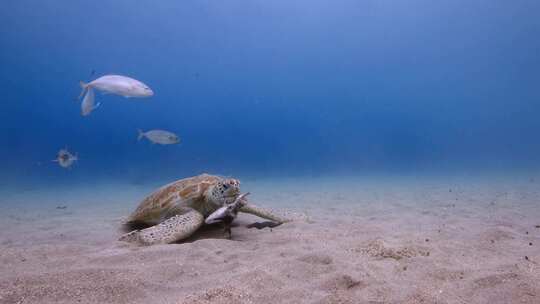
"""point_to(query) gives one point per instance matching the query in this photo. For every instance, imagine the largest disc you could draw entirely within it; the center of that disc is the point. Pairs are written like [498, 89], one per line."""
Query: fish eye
[225, 186]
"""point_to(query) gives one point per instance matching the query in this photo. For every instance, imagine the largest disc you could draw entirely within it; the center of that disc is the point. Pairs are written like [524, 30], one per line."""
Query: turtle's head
[225, 191]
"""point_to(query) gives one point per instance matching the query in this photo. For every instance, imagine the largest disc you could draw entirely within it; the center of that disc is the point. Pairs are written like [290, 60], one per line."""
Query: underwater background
[271, 88]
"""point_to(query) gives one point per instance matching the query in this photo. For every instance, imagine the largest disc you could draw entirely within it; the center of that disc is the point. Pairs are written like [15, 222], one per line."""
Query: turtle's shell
[187, 192]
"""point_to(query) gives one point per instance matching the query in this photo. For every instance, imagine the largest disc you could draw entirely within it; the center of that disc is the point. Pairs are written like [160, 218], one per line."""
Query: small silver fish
[65, 159]
[226, 214]
[159, 137]
[87, 105]
[112, 84]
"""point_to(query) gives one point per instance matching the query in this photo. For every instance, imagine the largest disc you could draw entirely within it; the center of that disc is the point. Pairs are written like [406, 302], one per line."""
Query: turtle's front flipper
[265, 213]
[173, 229]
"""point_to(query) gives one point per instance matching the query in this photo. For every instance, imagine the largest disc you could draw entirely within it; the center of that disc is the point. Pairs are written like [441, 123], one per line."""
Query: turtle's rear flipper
[173, 229]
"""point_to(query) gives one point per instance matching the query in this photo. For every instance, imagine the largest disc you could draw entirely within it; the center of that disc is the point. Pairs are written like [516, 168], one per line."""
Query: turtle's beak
[232, 193]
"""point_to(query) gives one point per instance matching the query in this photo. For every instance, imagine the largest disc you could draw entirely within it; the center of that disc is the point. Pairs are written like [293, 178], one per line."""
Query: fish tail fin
[141, 134]
[84, 87]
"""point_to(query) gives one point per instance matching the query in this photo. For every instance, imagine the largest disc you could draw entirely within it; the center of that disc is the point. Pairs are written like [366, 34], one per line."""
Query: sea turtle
[177, 210]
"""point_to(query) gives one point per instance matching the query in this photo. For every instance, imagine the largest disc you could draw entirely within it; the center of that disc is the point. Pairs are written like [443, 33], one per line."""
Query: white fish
[159, 137]
[65, 159]
[87, 105]
[227, 213]
[113, 84]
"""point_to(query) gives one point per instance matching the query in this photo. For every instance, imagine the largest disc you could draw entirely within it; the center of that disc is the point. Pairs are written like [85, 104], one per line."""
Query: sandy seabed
[394, 240]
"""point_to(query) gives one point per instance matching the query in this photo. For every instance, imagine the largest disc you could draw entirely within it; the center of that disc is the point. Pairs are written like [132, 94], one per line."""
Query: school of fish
[117, 85]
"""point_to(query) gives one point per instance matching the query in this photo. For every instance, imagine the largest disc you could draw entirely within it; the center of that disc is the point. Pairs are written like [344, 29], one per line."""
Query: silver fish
[112, 84]
[87, 105]
[226, 214]
[159, 137]
[65, 159]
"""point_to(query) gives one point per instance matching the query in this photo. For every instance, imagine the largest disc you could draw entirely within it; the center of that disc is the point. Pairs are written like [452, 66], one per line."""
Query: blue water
[271, 88]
